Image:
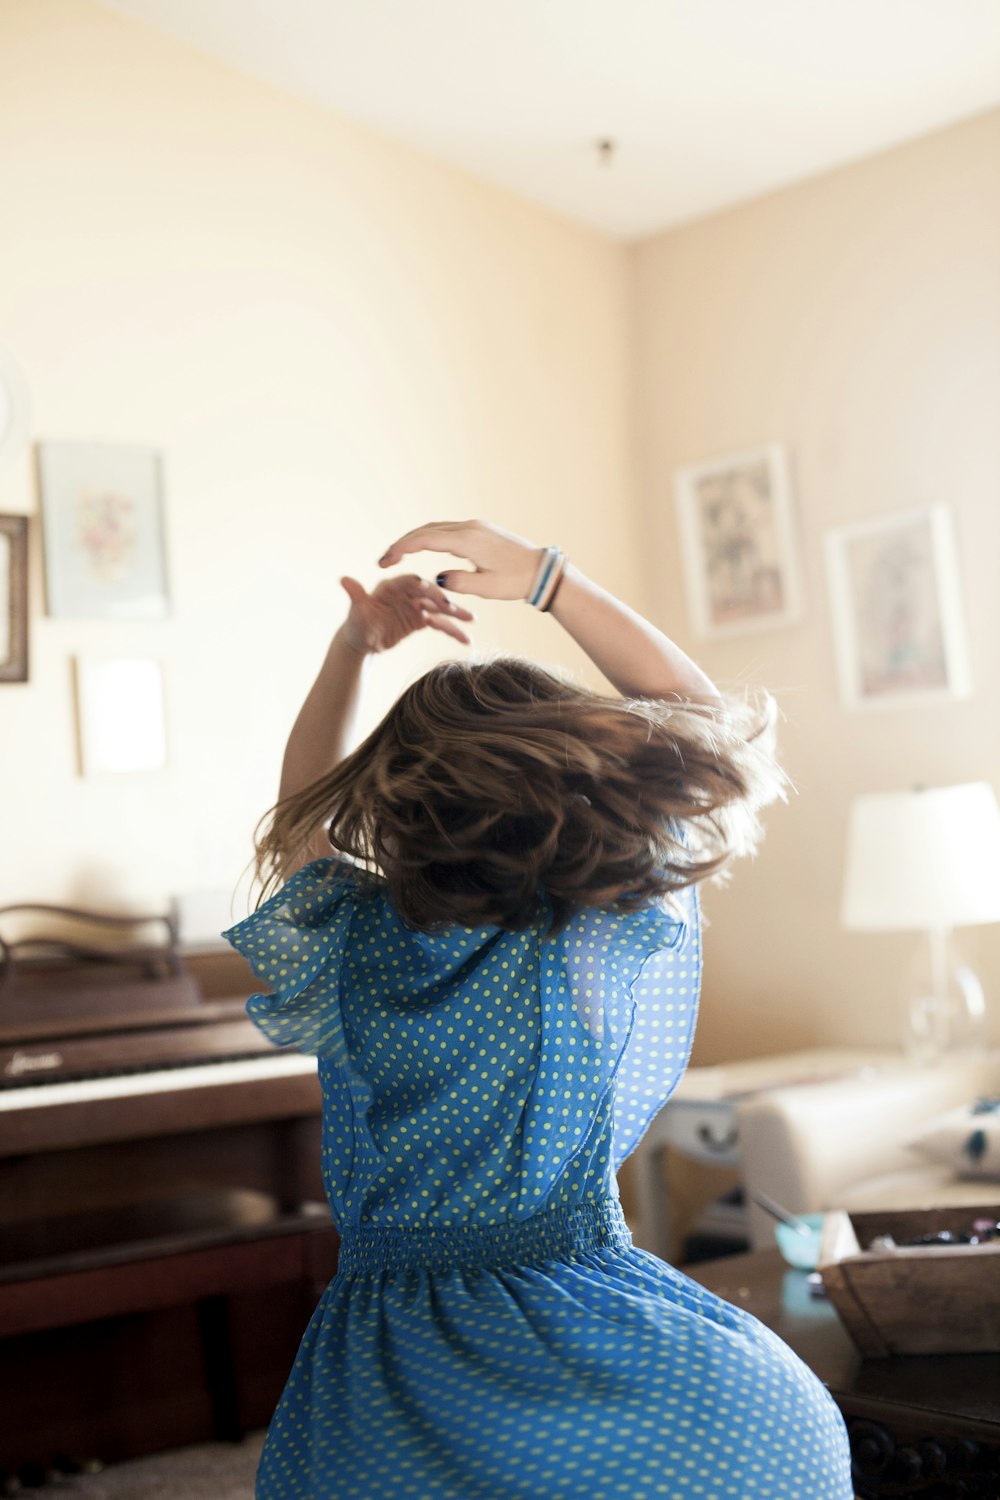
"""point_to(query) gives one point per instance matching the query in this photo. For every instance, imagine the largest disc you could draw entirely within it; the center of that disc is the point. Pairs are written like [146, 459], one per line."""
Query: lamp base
[945, 1009]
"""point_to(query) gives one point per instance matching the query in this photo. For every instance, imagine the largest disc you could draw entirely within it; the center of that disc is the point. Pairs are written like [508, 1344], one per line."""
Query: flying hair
[494, 791]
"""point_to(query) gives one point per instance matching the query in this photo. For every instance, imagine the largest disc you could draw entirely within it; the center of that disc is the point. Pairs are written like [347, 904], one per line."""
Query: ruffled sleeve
[619, 999]
[295, 943]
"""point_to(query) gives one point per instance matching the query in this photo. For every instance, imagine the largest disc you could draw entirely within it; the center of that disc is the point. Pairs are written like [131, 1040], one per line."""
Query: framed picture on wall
[737, 541]
[13, 598]
[120, 714]
[896, 605]
[102, 509]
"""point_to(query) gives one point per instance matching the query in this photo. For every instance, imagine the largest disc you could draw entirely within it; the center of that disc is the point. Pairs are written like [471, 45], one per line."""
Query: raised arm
[376, 621]
[636, 658]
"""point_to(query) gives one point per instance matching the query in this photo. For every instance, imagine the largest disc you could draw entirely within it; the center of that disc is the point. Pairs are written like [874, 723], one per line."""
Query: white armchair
[842, 1144]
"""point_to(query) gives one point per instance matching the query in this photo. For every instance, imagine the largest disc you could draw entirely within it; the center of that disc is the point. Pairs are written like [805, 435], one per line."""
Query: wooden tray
[928, 1299]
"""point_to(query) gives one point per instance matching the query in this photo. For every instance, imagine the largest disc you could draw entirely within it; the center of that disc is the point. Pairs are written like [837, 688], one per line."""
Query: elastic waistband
[557, 1234]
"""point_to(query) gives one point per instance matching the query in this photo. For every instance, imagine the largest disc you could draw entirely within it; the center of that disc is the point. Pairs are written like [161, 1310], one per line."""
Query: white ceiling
[710, 102]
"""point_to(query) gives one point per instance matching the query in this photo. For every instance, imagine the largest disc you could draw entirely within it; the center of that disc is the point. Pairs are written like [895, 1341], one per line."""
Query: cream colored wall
[332, 339]
[856, 318]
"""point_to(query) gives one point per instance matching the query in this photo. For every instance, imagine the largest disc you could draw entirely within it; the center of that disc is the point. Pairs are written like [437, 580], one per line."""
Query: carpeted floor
[210, 1471]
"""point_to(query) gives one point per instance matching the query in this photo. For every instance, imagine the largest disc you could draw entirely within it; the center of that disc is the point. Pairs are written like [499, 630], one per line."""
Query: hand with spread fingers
[503, 565]
[396, 608]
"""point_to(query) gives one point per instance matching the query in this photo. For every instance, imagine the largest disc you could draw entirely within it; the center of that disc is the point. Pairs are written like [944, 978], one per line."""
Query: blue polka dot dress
[492, 1333]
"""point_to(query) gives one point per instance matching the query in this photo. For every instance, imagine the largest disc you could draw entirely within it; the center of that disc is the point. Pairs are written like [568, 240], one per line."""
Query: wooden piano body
[163, 1232]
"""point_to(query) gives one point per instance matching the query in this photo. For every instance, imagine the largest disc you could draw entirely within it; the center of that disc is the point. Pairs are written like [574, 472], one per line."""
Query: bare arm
[636, 658]
[321, 732]
[639, 660]
[376, 622]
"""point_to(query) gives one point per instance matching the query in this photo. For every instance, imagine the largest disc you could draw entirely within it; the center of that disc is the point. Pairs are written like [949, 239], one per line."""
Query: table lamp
[928, 860]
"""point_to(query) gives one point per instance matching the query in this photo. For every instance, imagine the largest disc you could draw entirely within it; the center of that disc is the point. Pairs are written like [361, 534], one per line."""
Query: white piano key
[162, 1081]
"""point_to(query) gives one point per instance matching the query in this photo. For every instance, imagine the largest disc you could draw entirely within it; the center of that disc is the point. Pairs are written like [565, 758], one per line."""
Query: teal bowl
[801, 1250]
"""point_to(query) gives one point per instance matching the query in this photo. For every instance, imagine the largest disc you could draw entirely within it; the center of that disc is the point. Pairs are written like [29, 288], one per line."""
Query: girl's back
[492, 1334]
[473, 1075]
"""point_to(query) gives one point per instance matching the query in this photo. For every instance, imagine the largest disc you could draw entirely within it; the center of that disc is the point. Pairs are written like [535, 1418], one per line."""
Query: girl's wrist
[344, 639]
[565, 591]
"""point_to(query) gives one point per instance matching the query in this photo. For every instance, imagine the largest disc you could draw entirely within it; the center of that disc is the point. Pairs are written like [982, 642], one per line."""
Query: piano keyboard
[158, 1081]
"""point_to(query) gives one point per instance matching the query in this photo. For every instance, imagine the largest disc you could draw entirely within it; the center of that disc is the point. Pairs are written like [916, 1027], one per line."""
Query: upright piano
[163, 1231]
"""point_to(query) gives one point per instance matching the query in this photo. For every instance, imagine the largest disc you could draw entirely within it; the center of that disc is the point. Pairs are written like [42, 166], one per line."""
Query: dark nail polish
[439, 580]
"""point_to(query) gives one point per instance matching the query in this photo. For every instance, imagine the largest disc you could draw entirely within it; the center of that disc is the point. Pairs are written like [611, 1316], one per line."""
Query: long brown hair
[491, 786]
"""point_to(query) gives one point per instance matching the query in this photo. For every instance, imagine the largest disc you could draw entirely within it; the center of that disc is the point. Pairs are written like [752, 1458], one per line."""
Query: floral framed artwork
[896, 604]
[737, 541]
[102, 511]
[13, 598]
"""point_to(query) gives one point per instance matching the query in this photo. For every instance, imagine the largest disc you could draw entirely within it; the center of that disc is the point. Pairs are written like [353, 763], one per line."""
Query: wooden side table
[926, 1426]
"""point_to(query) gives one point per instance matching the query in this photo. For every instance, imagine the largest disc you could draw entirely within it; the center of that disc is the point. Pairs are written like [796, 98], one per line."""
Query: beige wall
[332, 339]
[856, 318]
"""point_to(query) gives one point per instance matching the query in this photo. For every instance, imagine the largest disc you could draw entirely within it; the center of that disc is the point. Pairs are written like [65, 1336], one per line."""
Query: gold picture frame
[896, 607]
[738, 542]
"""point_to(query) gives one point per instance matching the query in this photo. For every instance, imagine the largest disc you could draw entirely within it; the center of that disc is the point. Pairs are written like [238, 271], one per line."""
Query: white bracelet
[551, 566]
[542, 564]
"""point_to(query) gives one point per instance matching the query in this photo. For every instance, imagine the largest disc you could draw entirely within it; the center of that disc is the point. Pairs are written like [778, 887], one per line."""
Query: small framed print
[120, 712]
[13, 598]
[102, 508]
[737, 542]
[896, 605]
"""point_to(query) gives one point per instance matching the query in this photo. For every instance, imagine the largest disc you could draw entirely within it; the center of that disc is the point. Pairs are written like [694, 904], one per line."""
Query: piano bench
[45, 1303]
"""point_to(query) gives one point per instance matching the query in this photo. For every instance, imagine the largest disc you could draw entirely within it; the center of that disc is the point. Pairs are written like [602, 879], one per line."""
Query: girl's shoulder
[295, 943]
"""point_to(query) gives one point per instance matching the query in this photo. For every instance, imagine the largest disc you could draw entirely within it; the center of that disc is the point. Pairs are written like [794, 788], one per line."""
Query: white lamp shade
[923, 859]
